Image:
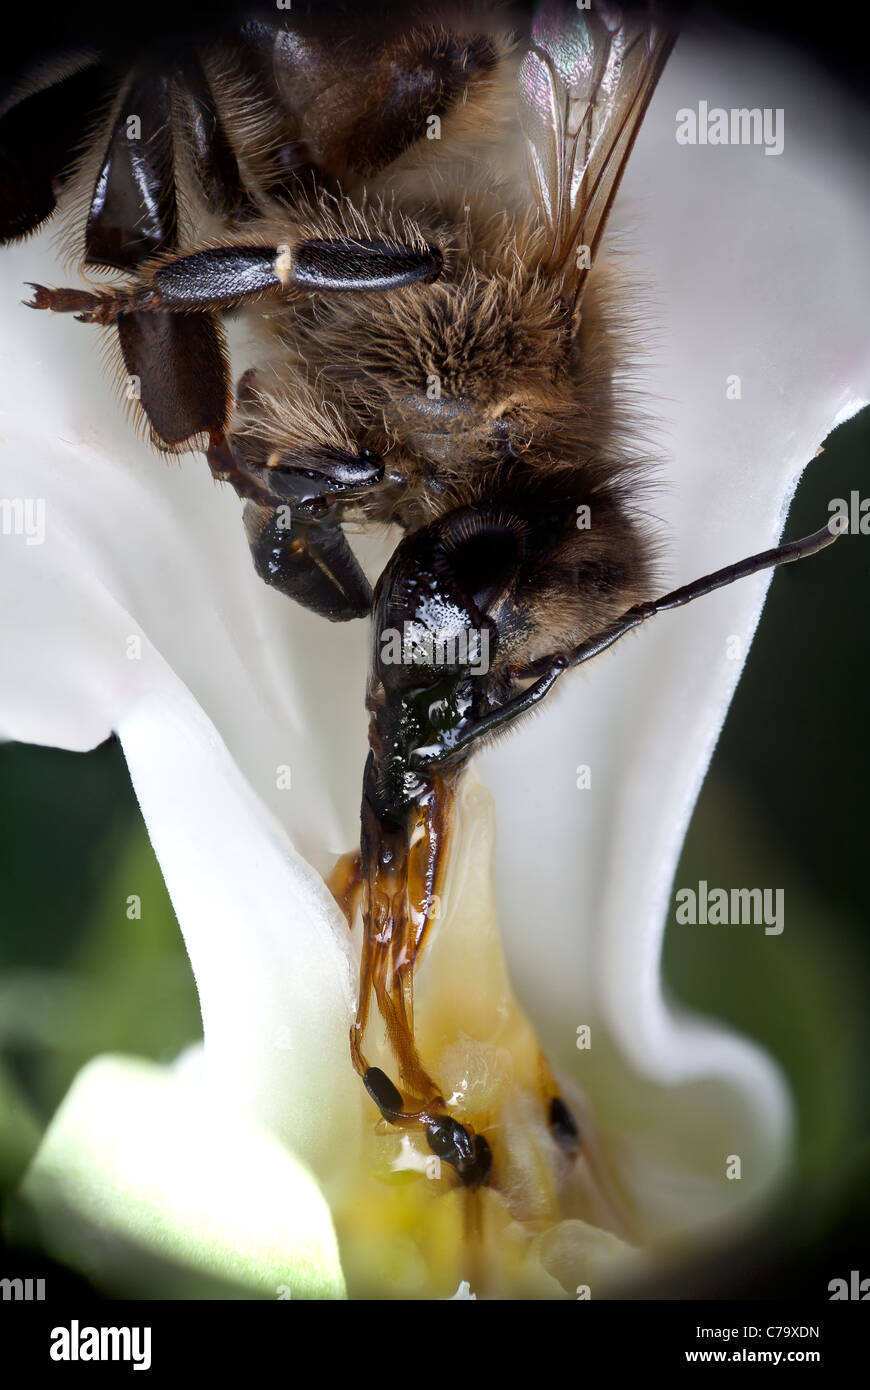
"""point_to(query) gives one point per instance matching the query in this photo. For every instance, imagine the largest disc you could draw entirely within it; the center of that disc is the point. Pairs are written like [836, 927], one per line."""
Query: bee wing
[585, 85]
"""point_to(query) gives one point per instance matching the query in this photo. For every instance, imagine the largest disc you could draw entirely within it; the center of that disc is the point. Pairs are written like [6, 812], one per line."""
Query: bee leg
[426, 71]
[311, 562]
[217, 278]
[222, 277]
[315, 479]
[179, 368]
[174, 350]
[182, 369]
[360, 264]
[494, 721]
[211, 155]
[225, 468]
[134, 211]
[312, 477]
[297, 547]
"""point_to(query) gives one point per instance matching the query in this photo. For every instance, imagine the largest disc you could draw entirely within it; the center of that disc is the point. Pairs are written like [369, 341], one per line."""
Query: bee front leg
[170, 339]
[473, 730]
[293, 513]
[223, 277]
[310, 562]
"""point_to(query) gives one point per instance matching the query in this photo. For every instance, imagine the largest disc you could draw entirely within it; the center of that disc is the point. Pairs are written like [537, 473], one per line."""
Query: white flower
[760, 270]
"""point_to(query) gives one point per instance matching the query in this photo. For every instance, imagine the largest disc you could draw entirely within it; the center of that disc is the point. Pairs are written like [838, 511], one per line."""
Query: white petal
[135, 545]
[133, 549]
[759, 268]
[137, 1164]
[270, 950]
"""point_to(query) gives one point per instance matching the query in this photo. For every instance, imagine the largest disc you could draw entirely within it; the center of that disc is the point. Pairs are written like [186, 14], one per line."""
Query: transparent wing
[585, 85]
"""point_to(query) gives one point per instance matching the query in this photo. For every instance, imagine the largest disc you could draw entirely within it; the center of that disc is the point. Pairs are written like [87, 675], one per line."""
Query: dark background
[834, 39]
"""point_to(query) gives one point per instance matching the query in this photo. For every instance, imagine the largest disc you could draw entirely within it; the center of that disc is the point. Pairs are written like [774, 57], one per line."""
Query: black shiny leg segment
[310, 562]
[223, 277]
[468, 1154]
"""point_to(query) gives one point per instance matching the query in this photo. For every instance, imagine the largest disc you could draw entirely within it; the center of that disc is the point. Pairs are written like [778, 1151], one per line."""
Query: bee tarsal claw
[91, 307]
[41, 297]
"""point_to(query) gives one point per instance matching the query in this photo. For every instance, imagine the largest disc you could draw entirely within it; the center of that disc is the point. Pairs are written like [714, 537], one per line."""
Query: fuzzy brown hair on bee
[412, 221]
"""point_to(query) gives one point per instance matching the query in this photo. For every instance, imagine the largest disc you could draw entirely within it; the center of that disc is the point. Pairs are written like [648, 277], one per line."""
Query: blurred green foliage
[78, 976]
[785, 806]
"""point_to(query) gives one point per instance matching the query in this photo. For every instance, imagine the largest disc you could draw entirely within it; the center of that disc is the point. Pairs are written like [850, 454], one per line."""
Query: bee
[414, 221]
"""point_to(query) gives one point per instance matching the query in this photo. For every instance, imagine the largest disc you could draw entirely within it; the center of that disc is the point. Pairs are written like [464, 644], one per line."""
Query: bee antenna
[545, 672]
[677, 598]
